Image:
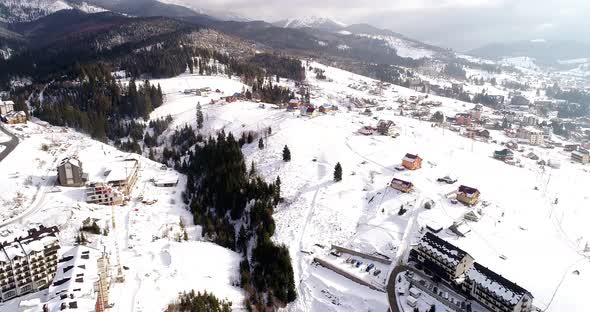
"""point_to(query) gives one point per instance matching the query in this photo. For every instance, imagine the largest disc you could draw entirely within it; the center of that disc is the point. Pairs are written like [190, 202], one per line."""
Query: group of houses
[459, 270]
[28, 261]
[465, 194]
[384, 127]
[9, 115]
[308, 109]
[120, 177]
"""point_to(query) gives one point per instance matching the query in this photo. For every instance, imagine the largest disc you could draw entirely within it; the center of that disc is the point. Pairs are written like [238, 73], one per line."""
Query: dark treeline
[280, 66]
[235, 208]
[579, 101]
[95, 103]
[197, 302]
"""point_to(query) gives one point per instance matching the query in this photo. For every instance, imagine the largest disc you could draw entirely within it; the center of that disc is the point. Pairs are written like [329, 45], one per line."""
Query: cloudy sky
[459, 24]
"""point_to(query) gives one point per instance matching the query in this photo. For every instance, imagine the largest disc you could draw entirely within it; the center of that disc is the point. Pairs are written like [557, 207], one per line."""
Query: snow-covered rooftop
[74, 281]
[438, 247]
[496, 285]
[120, 170]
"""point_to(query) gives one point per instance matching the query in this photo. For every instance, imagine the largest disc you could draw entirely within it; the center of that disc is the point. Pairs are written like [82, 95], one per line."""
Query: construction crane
[120, 277]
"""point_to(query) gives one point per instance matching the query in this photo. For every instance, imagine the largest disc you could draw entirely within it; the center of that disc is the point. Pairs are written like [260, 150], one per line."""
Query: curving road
[10, 145]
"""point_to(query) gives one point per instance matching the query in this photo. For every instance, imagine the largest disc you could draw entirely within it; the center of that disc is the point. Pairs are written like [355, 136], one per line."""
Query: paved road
[10, 145]
[391, 294]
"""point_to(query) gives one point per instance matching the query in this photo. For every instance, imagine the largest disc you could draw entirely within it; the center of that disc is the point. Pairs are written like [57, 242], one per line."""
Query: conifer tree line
[95, 103]
[235, 209]
[197, 302]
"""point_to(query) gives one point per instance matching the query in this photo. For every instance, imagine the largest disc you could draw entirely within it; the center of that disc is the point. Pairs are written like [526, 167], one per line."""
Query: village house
[28, 261]
[519, 100]
[326, 108]
[473, 133]
[463, 119]
[504, 155]
[459, 270]
[401, 185]
[386, 127]
[293, 104]
[166, 180]
[468, 195]
[571, 147]
[6, 107]
[367, 130]
[476, 112]
[412, 162]
[70, 173]
[14, 117]
[532, 156]
[582, 156]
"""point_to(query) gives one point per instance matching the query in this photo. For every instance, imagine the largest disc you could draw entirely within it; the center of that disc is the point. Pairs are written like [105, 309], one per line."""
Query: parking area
[359, 269]
[417, 290]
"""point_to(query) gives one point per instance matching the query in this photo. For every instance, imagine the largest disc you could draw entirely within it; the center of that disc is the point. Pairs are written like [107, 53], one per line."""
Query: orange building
[412, 162]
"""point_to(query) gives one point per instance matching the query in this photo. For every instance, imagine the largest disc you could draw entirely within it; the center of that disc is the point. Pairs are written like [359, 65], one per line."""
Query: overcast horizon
[457, 24]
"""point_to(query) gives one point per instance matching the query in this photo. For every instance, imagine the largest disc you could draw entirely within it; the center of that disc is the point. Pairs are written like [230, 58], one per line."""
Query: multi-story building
[70, 172]
[82, 282]
[123, 174]
[581, 155]
[103, 194]
[532, 135]
[459, 270]
[441, 258]
[28, 262]
[496, 292]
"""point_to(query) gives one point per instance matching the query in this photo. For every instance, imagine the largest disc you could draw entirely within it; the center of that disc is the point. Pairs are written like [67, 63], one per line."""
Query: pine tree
[286, 154]
[277, 195]
[338, 173]
[261, 143]
[199, 116]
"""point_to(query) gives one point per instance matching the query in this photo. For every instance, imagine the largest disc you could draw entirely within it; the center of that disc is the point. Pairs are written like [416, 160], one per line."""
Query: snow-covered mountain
[310, 22]
[14, 11]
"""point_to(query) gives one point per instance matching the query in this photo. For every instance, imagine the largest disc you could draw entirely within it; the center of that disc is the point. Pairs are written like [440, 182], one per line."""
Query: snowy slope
[404, 48]
[158, 266]
[523, 235]
[29, 10]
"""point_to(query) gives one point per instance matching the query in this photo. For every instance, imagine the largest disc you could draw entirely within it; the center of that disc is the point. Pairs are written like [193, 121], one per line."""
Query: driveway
[10, 145]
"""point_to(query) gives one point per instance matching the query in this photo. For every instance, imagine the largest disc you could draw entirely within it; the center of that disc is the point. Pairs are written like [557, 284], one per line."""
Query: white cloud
[455, 23]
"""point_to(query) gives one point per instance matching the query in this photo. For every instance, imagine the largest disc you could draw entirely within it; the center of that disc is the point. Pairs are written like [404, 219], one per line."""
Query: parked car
[358, 264]
[376, 272]
[369, 267]
[447, 180]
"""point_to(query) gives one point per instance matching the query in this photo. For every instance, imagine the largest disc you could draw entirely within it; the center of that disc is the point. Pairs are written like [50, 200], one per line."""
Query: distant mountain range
[544, 51]
[321, 23]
